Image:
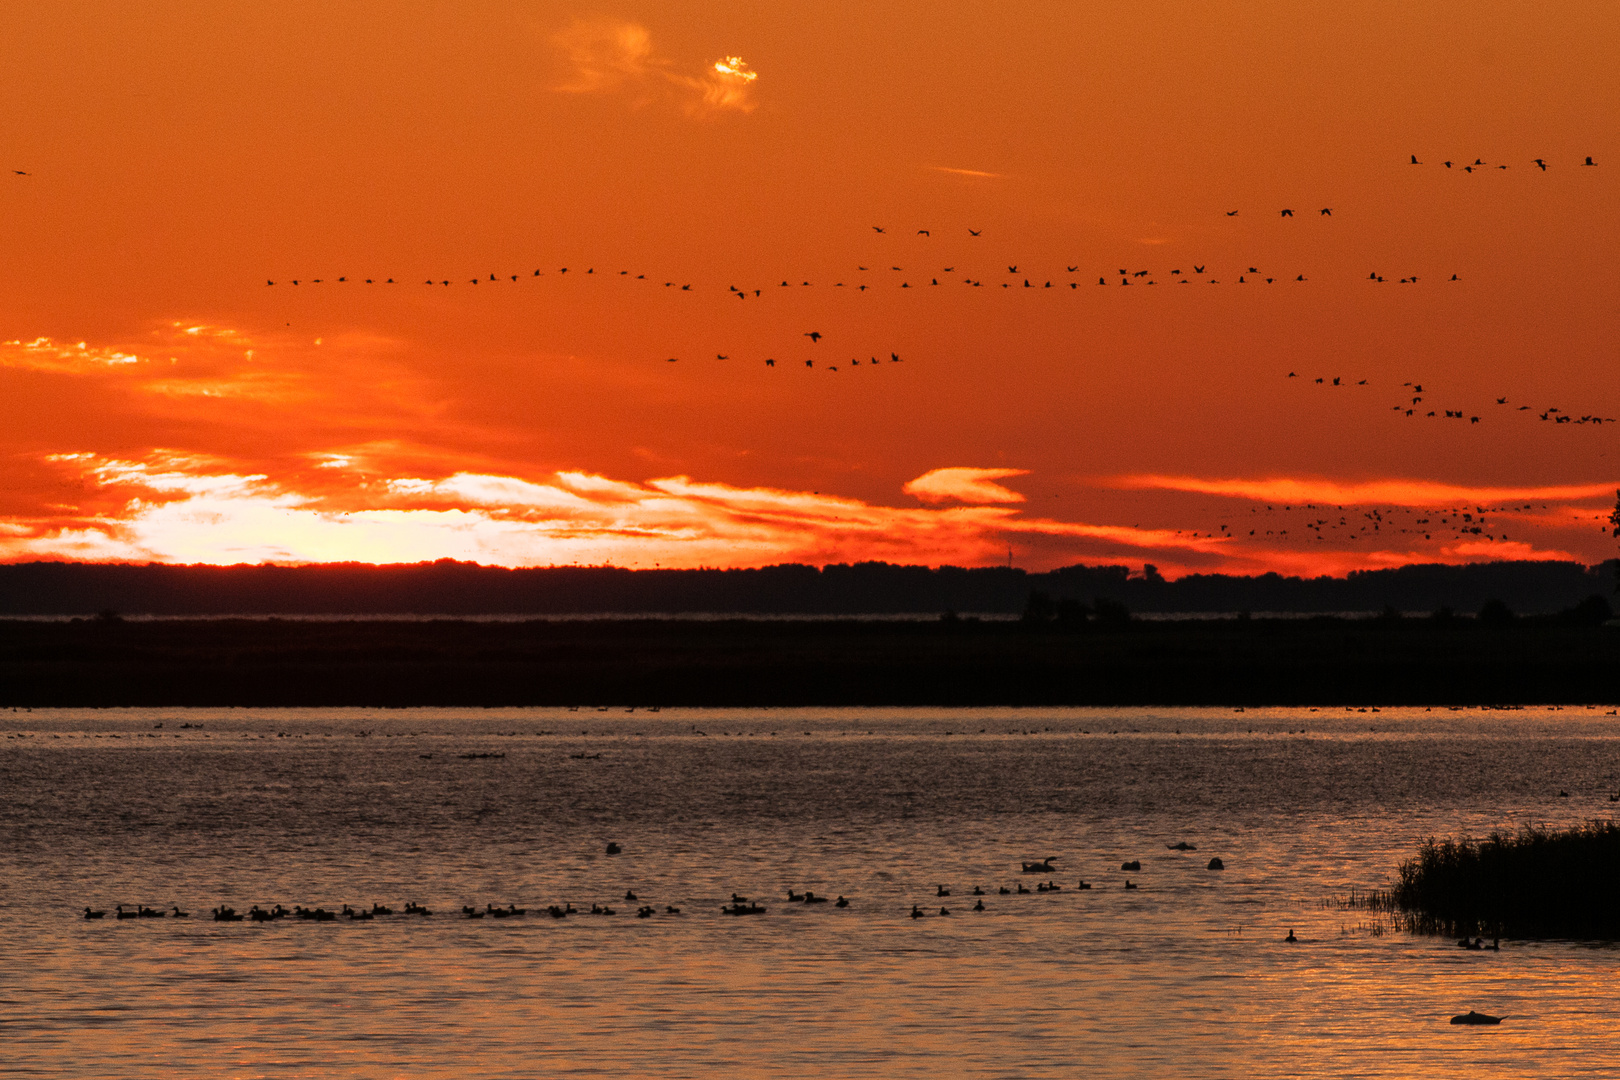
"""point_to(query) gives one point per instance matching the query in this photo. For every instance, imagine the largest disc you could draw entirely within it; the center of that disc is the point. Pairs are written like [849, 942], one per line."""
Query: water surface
[1186, 975]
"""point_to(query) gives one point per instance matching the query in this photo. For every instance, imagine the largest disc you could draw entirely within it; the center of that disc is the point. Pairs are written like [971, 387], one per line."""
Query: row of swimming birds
[738, 905]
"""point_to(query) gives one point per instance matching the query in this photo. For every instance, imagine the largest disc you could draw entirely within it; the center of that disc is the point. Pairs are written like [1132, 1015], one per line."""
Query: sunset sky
[162, 401]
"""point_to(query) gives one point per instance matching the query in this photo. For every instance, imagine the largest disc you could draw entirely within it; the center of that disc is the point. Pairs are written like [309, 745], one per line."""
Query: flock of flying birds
[1416, 407]
[1014, 278]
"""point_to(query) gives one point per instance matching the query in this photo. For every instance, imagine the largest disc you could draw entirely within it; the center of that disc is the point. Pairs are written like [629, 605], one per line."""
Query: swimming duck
[1134, 864]
[977, 891]
[940, 890]
[1083, 885]
[94, 914]
[629, 894]
[1005, 891]
[812, 898]
[1042, 867]
[979, 906]
[944, 911]
[916, 912]
[614, 849]
[1290, 936]
[841, 902]
[1216, 864]
[1472, 1017]
[1128, 884]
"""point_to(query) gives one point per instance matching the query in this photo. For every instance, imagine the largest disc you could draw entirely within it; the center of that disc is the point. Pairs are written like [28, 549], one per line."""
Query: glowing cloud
[179, 508]
[1379, 492]
[606, 56]
[965, 485]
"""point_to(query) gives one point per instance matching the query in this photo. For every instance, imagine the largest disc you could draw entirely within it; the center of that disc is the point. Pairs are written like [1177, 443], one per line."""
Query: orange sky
[161, 401]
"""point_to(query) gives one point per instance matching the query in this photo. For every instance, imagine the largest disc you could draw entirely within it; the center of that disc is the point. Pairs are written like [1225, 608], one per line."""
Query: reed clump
[1540, 883]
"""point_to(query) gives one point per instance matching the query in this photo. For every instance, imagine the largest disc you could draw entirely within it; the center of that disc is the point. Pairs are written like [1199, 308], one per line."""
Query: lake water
[1187, 975]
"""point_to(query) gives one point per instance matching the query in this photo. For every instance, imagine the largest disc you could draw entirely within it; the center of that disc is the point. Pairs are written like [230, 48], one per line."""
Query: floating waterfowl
[1183, 846]
[979, 906]
[1290, 936]
[1216, 864]
[94, 914]
[1134, 864]
[1475, 1018]
[614, 849]
[1042, 867]
[840, 902]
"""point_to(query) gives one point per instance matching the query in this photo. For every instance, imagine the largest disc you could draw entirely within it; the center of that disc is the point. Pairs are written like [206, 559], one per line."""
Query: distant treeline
[447, 587]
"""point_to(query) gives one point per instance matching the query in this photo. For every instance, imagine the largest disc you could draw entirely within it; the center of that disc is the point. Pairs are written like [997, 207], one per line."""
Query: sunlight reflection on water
[1186, 975]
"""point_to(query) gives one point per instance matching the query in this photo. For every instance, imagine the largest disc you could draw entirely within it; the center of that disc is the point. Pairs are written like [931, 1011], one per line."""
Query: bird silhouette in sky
[1231, 213]
[975, 232]
[1327, 212]
[1287, 213]
[1012, 269]
[923, 232]
[813, 335]
[1542, 165]
[877, 228]
[770, 363]
[19, 172]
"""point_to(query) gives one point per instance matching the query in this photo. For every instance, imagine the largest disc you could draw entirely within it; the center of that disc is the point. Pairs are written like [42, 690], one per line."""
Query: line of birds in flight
[1552, 414]
[1464, 522]
[1480, 164]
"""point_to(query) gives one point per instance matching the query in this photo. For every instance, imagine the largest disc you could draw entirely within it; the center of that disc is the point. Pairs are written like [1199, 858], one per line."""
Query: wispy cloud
[173, 507]
[1393, 492]
[608, 56]
[973, 173]
[965, 485]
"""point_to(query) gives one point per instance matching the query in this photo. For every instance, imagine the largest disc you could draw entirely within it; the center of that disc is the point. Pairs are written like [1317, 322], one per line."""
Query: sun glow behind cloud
[612, 57]
[180, 508]
[285, 449]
